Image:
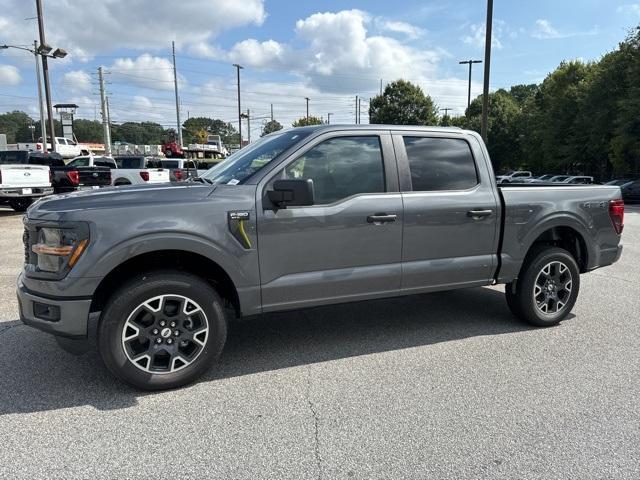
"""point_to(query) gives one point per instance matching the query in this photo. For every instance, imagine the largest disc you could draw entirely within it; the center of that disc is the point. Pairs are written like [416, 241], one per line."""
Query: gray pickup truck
[303, 217]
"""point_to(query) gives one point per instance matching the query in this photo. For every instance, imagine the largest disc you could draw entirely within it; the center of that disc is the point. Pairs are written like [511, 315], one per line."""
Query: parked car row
[26, 175]
[525, 176]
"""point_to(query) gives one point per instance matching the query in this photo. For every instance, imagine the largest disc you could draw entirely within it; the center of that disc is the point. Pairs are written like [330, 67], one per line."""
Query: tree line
[584, 118]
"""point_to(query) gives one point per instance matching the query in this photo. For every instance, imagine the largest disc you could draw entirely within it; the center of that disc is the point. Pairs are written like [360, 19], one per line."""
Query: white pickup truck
[65, 147]
[21, 182]
[137, 169]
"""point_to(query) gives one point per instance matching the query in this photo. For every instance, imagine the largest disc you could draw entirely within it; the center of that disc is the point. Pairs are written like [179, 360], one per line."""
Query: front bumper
[59, 316]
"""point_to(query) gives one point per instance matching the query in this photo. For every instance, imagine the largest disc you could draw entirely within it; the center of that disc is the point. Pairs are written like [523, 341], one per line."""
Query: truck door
[347, 245]
[451, 215]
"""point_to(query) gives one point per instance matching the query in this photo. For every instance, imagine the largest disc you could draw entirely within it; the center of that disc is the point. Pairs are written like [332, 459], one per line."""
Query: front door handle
[379, 218]
[478, 214]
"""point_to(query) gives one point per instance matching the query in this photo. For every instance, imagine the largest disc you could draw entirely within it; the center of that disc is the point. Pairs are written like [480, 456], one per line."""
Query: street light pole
[45, 71]
[43, 127]
[238, 67]
[307, 99]
[329, 118]
[487, 70]
[470, 62]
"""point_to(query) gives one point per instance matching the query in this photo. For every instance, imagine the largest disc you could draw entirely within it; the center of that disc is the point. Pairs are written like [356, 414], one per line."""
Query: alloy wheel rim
[165, 334]
[552, 288]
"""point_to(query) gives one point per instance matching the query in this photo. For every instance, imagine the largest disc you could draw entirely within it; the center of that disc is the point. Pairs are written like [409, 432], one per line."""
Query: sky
[329, 51]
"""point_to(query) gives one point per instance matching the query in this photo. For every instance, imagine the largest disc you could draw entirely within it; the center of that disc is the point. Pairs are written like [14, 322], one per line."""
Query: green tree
[403, 103]
[304, 121]
[90, 131]
[213, 126]
[270, 127]
[13, 122]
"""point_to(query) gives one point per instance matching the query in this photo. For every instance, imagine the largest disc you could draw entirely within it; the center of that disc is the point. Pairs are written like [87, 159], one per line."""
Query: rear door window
[438, 164]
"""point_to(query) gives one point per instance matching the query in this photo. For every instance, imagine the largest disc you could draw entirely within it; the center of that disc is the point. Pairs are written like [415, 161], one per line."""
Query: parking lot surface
[445, 385]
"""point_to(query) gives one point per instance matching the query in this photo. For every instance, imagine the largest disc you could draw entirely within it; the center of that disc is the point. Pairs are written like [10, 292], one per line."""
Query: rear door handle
[477, 214]
[378, 218]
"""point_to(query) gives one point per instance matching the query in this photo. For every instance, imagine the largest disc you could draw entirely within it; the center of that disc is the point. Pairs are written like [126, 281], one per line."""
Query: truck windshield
[242, 164]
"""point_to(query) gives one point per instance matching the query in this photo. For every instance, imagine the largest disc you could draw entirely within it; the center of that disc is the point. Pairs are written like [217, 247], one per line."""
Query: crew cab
[66, 147]
[303, 217]
[20, 181]
[73, 176]
[137, 169]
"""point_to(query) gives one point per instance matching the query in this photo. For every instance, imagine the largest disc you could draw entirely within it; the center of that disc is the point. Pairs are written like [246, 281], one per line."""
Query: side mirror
[292, 193]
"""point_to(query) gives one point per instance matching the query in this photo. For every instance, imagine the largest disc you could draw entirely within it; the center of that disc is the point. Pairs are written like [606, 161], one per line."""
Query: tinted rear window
[440, 164]
[170, 163]
[9, 157]
[130, 162]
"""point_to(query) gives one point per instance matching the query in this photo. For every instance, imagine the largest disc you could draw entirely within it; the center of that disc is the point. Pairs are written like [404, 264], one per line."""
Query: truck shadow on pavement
[36, 375]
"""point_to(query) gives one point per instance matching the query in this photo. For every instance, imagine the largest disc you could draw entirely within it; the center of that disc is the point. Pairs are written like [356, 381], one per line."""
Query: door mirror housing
[292, 193]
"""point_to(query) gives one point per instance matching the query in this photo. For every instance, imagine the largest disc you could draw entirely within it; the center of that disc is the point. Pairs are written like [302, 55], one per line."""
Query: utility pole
[359, 109]
[307, 99]
[175, 85]
[108, 117]
[43, 127]
[356, 109]
[45, 71]
[105, 117]
[446, 111]
[380, 86]
[272, 112]
[329, 118]
[238, 67]
[487, 71]
[470, 62]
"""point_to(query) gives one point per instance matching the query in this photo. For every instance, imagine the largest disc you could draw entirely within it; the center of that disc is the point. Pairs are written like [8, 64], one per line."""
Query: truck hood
[55, 206]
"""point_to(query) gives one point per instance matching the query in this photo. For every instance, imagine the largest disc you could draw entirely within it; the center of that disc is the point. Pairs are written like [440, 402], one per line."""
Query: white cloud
[99, 25]
[543, 30]
[145, 71]
[9, 75]
[338, 55]
[260, 54]
[477, 37]
[629, 9]
[393, 26]
[77, 82]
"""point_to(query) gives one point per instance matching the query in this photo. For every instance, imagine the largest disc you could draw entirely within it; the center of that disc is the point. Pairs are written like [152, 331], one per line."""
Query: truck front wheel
[162, 330]
[547, 287]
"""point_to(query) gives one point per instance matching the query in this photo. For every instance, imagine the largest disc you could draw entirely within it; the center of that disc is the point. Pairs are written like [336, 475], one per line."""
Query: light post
[470, 62]
[45, 51]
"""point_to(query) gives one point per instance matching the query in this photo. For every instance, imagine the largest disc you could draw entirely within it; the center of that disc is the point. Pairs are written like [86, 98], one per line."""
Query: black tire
[168, 366]
[20, 204]
[557, 290]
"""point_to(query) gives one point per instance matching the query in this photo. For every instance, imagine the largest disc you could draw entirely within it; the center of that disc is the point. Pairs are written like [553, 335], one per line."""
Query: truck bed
[530, 210]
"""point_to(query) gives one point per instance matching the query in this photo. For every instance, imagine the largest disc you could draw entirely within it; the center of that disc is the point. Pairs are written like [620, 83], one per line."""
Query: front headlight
[58, 249]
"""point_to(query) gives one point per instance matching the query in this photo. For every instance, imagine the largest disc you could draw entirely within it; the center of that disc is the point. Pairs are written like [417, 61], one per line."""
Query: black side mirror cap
[292, 193]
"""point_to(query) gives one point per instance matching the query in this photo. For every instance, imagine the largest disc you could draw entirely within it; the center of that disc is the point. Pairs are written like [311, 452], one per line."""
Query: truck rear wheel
[162, 330]
[20, 204]
[547, 287]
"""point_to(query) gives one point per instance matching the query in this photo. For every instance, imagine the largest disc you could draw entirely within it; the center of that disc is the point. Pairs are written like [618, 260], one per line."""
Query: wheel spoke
[165, 333]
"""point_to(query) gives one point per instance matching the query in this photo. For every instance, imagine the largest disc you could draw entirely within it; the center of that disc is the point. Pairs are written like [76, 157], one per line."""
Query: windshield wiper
[200, 179]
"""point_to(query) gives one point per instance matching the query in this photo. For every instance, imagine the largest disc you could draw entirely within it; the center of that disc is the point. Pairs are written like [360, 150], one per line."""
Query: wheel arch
[564, 236]
[180, 260]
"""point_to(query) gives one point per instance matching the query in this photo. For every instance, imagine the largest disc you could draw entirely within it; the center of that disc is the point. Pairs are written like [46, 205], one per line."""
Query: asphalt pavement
[443, 386]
